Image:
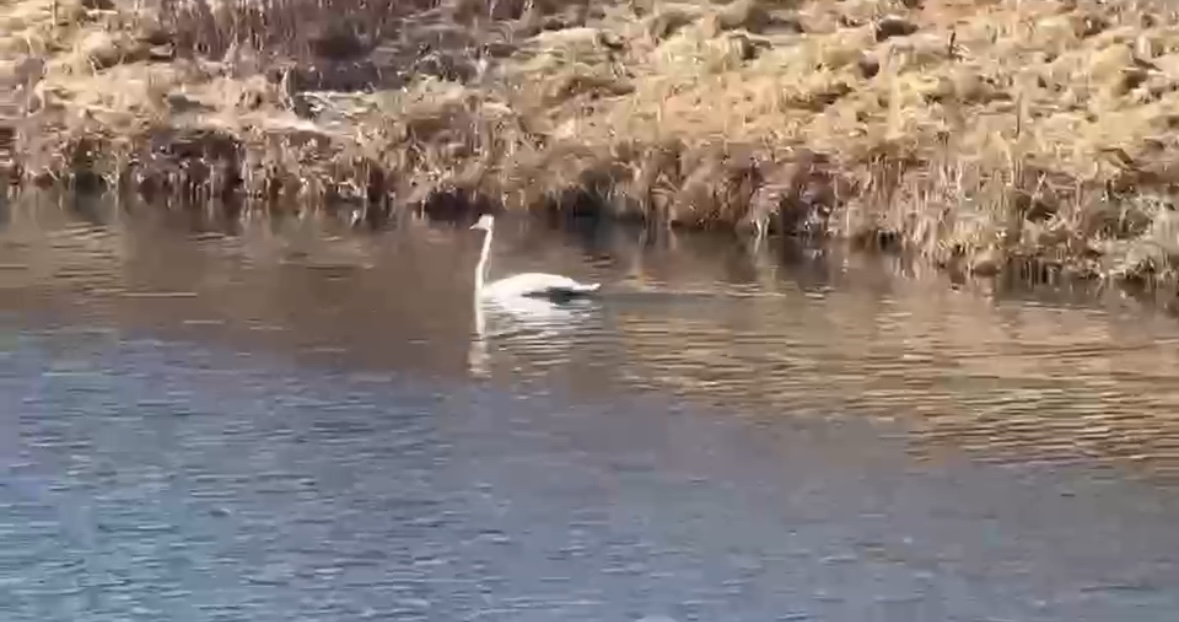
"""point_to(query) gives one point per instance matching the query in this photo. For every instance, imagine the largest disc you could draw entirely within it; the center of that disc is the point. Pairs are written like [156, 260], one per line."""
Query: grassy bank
[991, 135]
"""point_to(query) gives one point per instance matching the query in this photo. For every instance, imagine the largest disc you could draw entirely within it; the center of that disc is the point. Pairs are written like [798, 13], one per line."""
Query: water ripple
[328, 428]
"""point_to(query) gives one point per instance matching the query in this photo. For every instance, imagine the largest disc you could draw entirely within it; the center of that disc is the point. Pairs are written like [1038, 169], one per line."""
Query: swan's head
[485, 222]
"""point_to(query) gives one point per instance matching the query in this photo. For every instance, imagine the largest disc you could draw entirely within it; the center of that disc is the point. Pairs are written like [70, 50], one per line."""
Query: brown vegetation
[994, 135]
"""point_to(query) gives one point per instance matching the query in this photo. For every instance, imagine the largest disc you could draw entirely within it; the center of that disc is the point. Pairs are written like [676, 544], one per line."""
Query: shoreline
[989, 137]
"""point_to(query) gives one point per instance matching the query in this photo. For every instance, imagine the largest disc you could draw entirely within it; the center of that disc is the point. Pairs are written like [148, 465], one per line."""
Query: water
[283, 423]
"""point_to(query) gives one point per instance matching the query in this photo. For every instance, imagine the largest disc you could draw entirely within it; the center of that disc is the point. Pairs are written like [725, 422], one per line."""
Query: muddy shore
[1033, 136]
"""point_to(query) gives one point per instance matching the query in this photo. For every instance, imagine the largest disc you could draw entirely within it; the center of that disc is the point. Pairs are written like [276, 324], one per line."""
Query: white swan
[528, 284]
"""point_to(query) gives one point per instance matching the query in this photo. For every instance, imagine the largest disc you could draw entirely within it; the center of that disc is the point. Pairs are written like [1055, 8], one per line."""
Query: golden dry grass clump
[991, 134]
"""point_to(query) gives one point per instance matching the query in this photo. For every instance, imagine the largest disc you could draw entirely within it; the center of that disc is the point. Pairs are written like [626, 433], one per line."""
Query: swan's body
[527, 284]
[538, 285]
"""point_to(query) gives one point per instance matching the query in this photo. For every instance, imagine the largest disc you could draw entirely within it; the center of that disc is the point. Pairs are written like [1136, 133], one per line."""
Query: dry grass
[991, 135]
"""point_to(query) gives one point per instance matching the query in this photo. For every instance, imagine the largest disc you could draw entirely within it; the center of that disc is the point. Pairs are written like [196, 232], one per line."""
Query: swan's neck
[477, 356]
[481, 268]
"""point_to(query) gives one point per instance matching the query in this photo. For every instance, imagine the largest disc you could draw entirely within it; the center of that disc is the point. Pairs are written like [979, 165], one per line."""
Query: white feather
[528, 284]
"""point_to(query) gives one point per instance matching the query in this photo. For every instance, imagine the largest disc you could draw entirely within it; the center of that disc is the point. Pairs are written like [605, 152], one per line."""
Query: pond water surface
[283, 420]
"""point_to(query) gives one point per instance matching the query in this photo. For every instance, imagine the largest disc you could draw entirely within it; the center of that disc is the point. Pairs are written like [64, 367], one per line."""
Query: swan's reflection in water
[519, 323]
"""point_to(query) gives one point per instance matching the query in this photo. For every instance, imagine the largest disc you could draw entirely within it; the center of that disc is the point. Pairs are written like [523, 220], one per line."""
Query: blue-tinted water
[320, 436]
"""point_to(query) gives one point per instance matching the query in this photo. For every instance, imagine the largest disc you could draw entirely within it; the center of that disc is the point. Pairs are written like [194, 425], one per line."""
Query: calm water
[275, 422]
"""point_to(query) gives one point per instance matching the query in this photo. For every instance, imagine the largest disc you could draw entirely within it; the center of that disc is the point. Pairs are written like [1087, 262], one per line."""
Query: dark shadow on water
[90, 209]
[5, 209]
